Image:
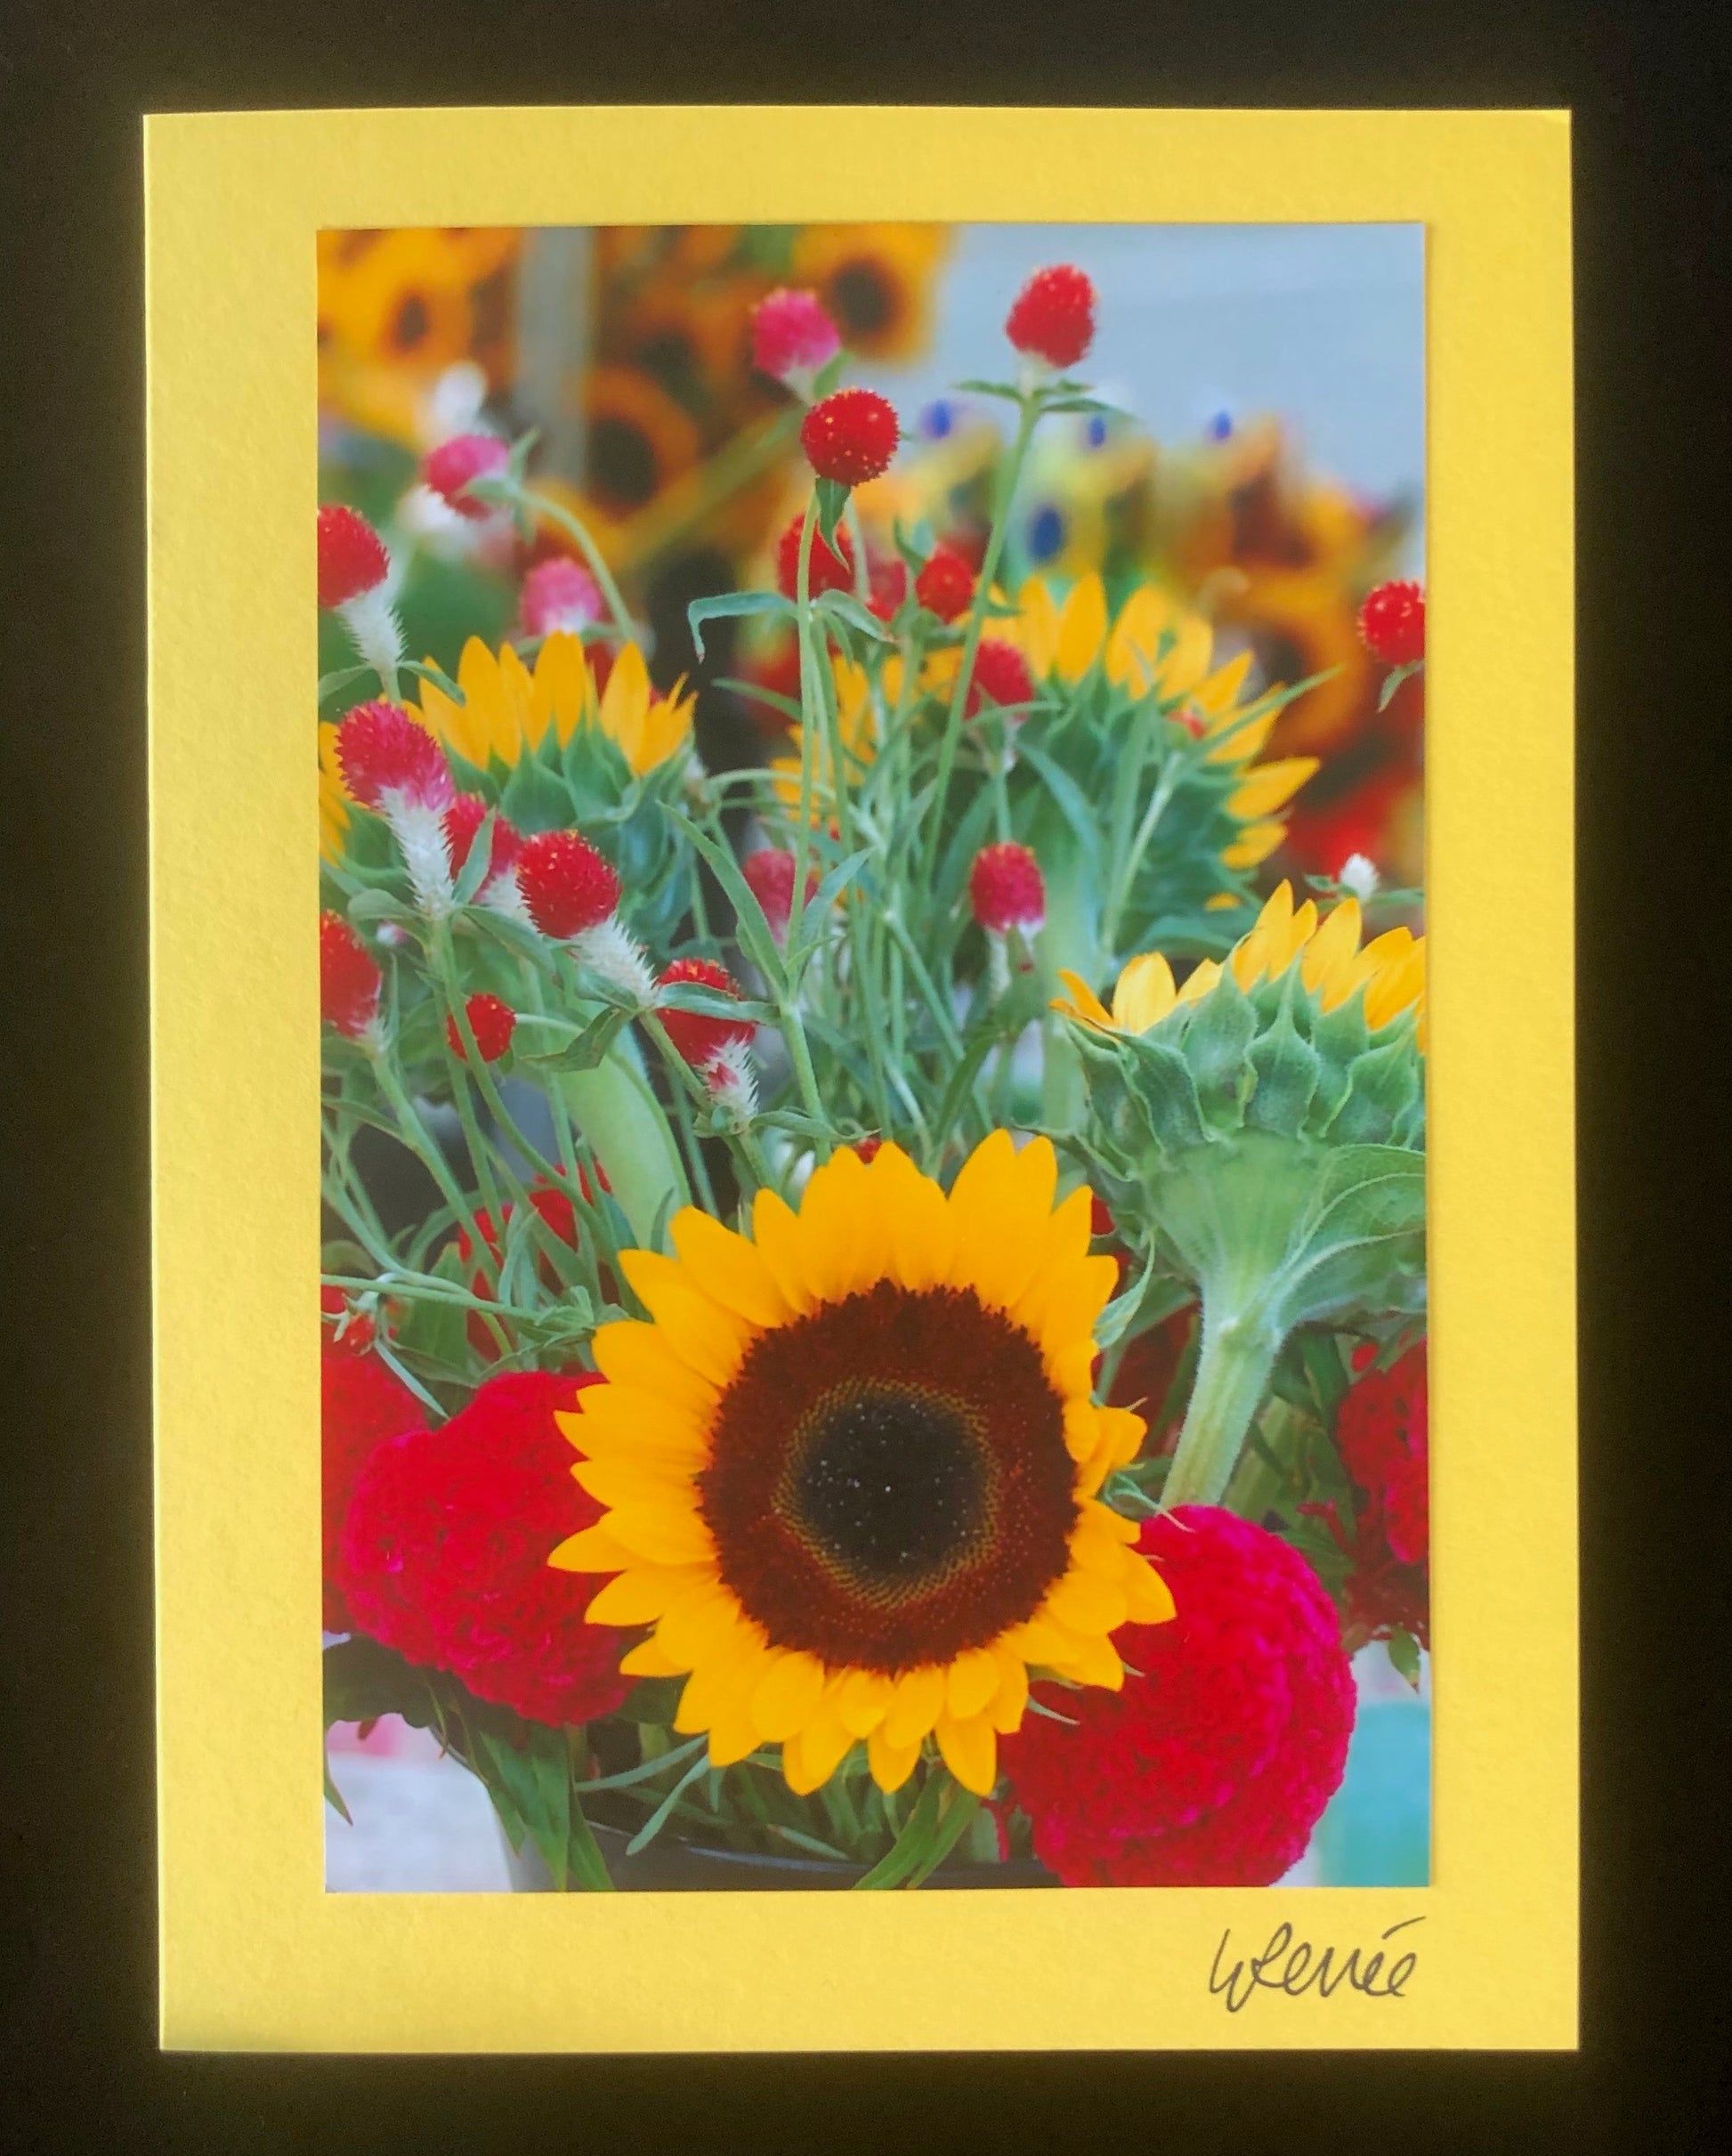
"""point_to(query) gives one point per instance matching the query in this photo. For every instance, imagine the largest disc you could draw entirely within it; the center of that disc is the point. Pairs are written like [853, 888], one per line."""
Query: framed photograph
[863, 1166]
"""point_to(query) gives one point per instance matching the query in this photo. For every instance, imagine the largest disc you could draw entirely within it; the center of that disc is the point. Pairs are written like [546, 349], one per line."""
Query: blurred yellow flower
[508, 712]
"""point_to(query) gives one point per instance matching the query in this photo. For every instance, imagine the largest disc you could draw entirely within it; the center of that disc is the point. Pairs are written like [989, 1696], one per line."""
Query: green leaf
[832, 496]
[751, 925]
[477, 860]
[331, 684]
[1073, 804]
[827, 376]
[1166, 1091]
[334, 1795]
[844, 607]
[818, 908]
[1393, 680]
[728, 605]
[440, 678]
[959, 1816]
[1404, 1654]
[992, 389]
[659, 1818]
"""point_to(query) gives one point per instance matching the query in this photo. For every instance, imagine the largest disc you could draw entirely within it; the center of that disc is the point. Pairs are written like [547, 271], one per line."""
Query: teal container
[1377, 1830]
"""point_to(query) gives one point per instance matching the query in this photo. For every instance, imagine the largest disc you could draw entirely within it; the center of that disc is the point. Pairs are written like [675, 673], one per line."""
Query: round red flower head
[945, 586]
[793, 337]
[390, 762]
[1381, 1433]
[826, 571]
[444, 1554]
[448, 469]
[1006, 889]
[349, 980]
[363, 1405]
[568, 885]
[1212, 1766]
[1053, 317]
[559, 1214]
[352, 556]
[492, 1023]
[1392, 623]
[698, 1037]
[1001, 675]
[560, 594]
[462, 819]
[887, 584]
[770, 873]
[851, 437]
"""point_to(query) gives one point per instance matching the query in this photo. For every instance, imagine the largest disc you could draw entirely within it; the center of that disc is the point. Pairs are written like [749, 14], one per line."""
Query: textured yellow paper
[254, 1954]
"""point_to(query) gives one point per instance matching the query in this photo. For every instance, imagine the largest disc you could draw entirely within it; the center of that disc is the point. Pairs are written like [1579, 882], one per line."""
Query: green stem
[622, 1121]
[416, 1136]
[1069, 940]
[1239, 1349]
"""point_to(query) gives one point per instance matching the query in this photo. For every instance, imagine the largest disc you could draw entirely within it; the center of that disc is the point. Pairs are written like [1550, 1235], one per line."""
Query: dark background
[78, 1933]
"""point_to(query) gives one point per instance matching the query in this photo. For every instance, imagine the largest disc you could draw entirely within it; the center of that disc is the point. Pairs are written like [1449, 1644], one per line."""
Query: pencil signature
[1295, 1967]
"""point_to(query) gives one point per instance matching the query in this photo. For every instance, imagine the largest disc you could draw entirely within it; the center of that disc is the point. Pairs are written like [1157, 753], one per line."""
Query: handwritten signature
[1296, 1967]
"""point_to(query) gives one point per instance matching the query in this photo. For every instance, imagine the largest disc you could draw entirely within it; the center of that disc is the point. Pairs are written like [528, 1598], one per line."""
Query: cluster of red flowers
[1380, 1432]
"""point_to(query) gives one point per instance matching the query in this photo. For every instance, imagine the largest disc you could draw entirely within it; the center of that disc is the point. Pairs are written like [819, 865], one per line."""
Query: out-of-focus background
[1271, 466]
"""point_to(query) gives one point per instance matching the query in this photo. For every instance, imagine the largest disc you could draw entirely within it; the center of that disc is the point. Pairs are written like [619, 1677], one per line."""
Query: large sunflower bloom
[509, 712]
[1156, 646]
[875, 279]
[852, 1465]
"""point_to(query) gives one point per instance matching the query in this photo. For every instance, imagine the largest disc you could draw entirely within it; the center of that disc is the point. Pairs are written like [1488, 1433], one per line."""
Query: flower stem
[621, 1119]
[1238, 1358]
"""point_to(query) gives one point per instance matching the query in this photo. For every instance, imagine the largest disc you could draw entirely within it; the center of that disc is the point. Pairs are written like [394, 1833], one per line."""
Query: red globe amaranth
[556, 1209]
[492, 1023]
[461, 820]
[850, 437]
[792, 336]
[448, 469]
[1392, 623]
[825, 571]
[770, 874]
[389, 761]
[1212, 1766]
[868, 1148]
[352, 556]
[1053, 317]
[567, 885]
[444, 1554]
[1001, 675]
[348, 981]
[559, 594]
[945, 586]
[698, 1037]
[362, 1406]
[1005, 890]
[887, 584]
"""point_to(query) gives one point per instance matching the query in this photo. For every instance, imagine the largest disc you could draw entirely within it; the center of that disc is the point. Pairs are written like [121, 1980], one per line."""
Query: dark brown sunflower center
[888, 1481]
[890, 1484]
[863, 296]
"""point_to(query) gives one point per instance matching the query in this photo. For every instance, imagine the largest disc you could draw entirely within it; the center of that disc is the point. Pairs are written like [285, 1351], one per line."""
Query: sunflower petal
[891, 1764]
[640, 1596]
[1150, 1598]
[703, 1334]
[970, 1750]
[594, 1549]
[630, 1353]
[861, 1699]
[1001, 1204]
[918, 1700]
[809, 1759]
[970, 1682]
[786, 1694]
[666, 1533]
[728, 1268]
[649, 1658]
[1084, 1604]
[1010, 1701]
[1081, 626]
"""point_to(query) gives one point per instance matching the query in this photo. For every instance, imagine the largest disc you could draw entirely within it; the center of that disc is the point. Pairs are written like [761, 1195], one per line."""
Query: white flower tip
[1359, 876]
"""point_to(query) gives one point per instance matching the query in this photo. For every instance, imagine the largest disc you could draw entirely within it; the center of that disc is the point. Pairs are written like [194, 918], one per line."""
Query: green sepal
[831, 497]
[1216, 1042]
[1166, 1091]
[534, 800]
[1286, 1069]
[1381, 1084]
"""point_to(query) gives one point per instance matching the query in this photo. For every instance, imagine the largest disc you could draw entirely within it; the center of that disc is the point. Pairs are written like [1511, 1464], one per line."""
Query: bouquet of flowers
[908, 1352]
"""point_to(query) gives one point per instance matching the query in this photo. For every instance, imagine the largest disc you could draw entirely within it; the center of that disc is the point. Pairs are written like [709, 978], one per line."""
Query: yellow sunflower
[1156, 644]
[637, 440]
[1333, 968]
[876, 280]
[334, 795]
[508, 712]
[854, 723]
[851, 1464]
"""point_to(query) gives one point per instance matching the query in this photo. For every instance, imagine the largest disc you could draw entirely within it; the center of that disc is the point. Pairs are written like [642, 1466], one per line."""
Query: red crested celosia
[1381, 1433]
[793, 337]
[1213, 1764]
[491, 1022]
[559, 594]
[1392, 623]
[351, 1332]
[444, 1554]
[390, 761]
[851, 437]
[349, 980]
[1005, 890]
[462, 819]
[362, 1406]
[1053, 317]
[1001, 675]
[352, 556]
[448, 469]
[825, 571]
[698, 1036]
[567, 885]
[945, 586]
[770, 873]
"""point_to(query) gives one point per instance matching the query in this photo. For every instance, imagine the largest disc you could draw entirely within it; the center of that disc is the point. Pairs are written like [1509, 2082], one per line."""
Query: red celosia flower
[559, 594]
[886, 583]
[826, 571]
[448, 469]
[698, 1037]
[1212, 1767]
[770, 873]
[352, 556]
[1053, 317]
[1005, 890]
[1381, 1435]
[462, 819]
[792, 337]
[390, 762]
[851, 437]
[356, 1335]
[348, 981]
[945, 586]
[444, 1554]
[1001, 675]
[567, 886]
[1392, 623]
[363, 1405]
[492, 1023]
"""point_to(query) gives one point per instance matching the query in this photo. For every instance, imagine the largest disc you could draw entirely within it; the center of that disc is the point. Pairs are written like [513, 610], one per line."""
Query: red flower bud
[698, 1037]
[851, 437]
[352, 556]
[827, 570]
[1053, 317]
[770, 873]
[448, 469]
[1392, 623]
[559, 594]
[348, 981]
[567, 886]
[792, 336]
[1005, 890]
[945, 586]
[462, 819]
[886, 580]
[388, 761]
[1001, 675]
[492, 1023]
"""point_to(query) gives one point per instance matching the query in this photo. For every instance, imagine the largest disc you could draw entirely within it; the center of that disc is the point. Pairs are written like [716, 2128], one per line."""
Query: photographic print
[872, 951]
